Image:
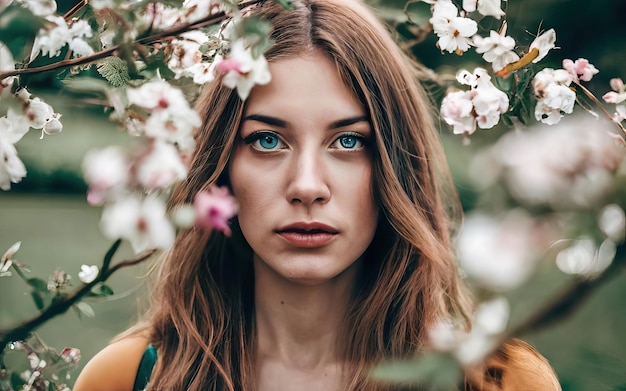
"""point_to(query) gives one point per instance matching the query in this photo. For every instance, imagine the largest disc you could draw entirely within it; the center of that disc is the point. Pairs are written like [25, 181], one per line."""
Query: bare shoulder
[114, 367]
[516, 366]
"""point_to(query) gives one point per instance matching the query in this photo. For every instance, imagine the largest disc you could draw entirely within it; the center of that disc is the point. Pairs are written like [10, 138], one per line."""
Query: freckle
[282, 302]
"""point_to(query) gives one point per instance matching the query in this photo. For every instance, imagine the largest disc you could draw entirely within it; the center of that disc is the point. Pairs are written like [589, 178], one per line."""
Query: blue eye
[264, 140]
[349, 141]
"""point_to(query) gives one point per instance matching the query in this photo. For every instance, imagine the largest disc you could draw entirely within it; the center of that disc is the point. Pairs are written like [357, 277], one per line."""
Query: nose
[308, 180]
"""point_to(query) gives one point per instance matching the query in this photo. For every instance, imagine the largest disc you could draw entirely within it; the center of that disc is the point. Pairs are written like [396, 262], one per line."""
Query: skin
[303, 157]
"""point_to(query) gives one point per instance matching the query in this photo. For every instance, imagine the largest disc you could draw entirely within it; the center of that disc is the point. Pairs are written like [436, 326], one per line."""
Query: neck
[299, 323]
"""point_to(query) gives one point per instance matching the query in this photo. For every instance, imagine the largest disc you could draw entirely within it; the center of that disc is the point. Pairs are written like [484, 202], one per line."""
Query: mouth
[307, 235]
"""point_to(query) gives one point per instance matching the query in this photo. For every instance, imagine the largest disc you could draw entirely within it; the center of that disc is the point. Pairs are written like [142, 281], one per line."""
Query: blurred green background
[47, 211]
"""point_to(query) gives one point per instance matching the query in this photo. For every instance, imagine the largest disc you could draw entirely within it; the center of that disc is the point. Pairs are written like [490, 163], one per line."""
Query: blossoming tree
[135, 55]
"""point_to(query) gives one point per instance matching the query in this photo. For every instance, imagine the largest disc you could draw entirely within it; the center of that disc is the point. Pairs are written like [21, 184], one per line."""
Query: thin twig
[595, 100]
[570, 299]
[24, 328]
[211, 19]
[75, 9]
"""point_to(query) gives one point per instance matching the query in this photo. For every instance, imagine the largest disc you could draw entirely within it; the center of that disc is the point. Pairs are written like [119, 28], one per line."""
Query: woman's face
[302, 172]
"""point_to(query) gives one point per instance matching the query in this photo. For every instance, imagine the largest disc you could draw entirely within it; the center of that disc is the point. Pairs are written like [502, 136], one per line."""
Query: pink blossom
[70, 355]
[580, 69]
[618, 95]
[214, 208]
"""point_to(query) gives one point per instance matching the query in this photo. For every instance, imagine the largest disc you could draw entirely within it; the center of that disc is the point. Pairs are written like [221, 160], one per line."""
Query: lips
[307, 235]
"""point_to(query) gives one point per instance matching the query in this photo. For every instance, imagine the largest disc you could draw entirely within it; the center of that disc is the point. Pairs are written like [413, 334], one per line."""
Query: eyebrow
[266, 119]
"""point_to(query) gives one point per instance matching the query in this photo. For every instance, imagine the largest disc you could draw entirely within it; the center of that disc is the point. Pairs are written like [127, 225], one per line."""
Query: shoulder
[114, 367]
[515, 366]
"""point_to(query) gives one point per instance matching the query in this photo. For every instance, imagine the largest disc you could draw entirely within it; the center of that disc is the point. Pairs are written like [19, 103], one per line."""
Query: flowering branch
[570, 299]
[174, 31]
[58, 307]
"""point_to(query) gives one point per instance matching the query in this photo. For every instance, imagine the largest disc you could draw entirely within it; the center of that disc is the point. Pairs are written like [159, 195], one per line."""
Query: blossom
[485, 7]
[241, 70]
[12, 169]
[580, 69]
[106, 171]
[543, 44]
[58, 281]
[142, 222]
[214, 208]
[7, 63]
[197, 9]
[6, 261]
[41, 115]
[70, 355]
[51, 41]
[456, 110]
[498, 253]
[554, 97]
[454, 32]
[160, 167]
[584, 258]
[469, 348]
[497, 49]
[88, 273]
[569, 165]
[618, 95]
[612, 221]
[171, 119]
[185, 51]
[481, 106]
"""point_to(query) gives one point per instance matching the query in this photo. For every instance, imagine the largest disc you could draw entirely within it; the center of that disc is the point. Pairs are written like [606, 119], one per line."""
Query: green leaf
[38, 284]
[114, 70]
[105, 290]
[438, 370]
[38, 300]
[16, 381]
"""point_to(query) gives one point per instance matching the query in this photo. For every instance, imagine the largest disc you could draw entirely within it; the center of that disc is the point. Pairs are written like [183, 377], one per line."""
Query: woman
[340, 256]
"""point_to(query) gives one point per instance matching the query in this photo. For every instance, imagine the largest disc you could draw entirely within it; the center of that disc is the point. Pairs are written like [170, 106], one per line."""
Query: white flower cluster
[57, 32]
[117, 179]
[470, 348]
[482, 105]
[35, 114]
[569, 165]
[617, 96]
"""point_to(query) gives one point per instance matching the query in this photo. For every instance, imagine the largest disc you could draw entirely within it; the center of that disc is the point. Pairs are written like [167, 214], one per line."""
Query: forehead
[304, 86]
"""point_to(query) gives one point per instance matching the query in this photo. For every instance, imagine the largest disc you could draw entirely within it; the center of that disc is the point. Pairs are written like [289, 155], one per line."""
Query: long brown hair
[202, 315]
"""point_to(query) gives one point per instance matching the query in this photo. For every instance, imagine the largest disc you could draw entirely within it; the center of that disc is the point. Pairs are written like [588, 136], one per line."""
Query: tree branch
[174, 31]
[24, 328]
[569, 300]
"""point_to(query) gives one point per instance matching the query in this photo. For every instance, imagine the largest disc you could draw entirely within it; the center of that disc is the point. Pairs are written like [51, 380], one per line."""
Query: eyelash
[255, 138]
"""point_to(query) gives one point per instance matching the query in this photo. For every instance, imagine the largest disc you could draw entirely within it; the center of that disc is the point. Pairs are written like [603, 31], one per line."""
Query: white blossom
[142, 222]
[584, 258]
[12, 170]
[241, 70]
[456, 110]
[171, 118]
[7, 63]
[198, 9]
[554, 97]
[485, 7]
[543, 43]
[570, 164]
[185, 52]
[612, 221]
[497, 49]
[50, 42]
[106, 171]
[454, 32]
[160, 167]
[88, 273]
[618, 95]
[499, 253]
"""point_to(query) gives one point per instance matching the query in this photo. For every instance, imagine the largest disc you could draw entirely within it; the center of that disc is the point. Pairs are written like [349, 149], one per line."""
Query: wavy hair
[202, 317]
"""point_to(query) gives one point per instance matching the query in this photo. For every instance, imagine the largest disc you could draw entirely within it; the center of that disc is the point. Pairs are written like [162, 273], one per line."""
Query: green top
[144, 372]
